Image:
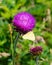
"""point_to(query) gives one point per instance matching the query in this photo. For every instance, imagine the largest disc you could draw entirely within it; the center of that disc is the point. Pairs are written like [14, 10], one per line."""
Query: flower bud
[36, 50]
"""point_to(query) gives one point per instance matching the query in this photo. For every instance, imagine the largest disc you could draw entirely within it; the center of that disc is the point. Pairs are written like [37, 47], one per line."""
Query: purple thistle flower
[24, 22]
[36, 50]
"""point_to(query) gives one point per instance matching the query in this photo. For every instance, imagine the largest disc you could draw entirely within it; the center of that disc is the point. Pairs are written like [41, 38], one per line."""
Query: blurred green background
[42, 10]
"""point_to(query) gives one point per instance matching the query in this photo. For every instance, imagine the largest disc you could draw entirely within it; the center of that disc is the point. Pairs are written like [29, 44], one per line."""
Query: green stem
[37, 58]
[13, 48]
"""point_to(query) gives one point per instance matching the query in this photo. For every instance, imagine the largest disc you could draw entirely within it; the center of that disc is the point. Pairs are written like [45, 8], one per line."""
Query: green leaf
[2, 42]
[38, 10]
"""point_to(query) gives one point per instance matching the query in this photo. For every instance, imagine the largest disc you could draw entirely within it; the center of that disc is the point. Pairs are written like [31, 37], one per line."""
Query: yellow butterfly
[29, 36]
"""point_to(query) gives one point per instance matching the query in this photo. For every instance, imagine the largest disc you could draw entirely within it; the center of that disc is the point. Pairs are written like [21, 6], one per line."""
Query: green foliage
[38, 8]
[48, 37]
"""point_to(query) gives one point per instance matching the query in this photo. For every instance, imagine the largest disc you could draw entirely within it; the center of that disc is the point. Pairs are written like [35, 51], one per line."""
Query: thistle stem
[13, 47]
[37, 58]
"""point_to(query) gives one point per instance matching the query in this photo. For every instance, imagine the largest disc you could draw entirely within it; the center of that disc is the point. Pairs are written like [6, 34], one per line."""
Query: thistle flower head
[36, 50]
[24, 22]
